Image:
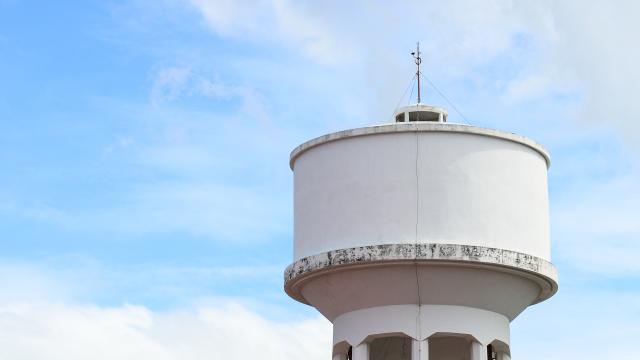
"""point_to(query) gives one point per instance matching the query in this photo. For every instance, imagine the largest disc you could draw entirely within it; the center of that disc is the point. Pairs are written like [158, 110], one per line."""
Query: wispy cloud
[172, 83]
[289, 23]
[169, 84]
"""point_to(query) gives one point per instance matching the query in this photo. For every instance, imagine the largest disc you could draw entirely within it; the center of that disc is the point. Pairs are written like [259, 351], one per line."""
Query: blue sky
[145, 196]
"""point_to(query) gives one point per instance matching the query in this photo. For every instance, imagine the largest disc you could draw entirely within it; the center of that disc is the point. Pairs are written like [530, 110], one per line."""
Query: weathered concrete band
[418, 127]
[541, 270]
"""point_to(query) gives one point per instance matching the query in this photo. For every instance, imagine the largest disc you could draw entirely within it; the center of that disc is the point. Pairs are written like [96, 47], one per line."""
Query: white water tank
[420, 238]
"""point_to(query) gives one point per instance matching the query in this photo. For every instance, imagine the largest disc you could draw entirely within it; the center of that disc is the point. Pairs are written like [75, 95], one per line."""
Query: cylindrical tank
[427, 232]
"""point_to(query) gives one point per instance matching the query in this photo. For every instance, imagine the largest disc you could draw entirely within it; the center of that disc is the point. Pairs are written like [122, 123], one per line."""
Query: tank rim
[539, 270]
[418, 127]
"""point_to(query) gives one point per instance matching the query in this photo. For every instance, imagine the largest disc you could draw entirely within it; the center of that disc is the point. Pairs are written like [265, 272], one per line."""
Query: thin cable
[403, 95]
[411, 93]
[446, 99]
[418, 327]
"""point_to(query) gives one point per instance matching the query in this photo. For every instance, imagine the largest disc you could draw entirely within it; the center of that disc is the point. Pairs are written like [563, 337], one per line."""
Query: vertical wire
[418, 325]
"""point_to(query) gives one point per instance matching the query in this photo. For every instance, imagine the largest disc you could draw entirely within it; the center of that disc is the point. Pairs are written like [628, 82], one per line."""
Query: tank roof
[419, 127]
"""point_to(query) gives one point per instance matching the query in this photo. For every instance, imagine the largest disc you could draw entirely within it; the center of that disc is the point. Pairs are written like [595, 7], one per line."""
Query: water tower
[421, 239]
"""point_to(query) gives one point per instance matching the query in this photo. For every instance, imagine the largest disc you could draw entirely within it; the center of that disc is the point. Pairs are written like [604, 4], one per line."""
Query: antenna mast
[418, 60]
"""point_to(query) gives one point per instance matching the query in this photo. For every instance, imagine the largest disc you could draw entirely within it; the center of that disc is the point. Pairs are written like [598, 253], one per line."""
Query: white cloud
[229, 331]
[528, 88]
[589, 44]
[42, 316]
[277, 21]
[40, 330]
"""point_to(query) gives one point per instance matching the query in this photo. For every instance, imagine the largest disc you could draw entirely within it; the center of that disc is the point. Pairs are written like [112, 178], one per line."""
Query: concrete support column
[339, 357]
[420, 350]
[478, 351]
[361, 352]
[503, 356]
